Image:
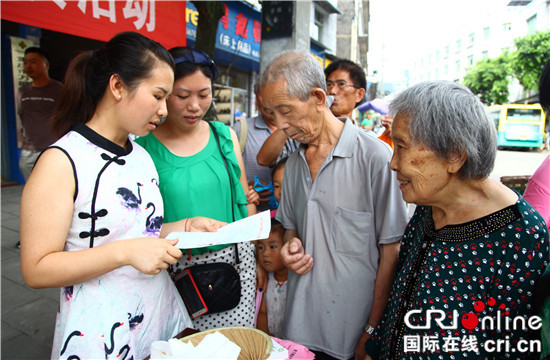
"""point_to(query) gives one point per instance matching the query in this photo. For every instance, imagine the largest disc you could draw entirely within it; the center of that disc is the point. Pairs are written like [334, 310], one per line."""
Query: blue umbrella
[377, 105]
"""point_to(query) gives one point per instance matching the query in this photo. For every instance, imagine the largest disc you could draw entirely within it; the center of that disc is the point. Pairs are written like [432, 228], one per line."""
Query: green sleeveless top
[198, 185]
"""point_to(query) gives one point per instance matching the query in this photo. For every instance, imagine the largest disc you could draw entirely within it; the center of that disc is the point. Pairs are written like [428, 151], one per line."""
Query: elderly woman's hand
[295, 258]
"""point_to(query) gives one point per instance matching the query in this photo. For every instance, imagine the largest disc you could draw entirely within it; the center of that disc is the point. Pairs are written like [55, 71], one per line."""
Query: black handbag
[211, 288]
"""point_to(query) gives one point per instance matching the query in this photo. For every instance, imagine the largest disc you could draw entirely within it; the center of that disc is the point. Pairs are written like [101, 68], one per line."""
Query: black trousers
[322, 356]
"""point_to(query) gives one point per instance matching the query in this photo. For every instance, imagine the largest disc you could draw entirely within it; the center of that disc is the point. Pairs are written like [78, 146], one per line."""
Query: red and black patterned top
[460, 290]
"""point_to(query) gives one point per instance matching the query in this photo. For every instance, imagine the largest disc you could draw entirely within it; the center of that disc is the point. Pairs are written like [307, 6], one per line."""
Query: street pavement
[28, 315]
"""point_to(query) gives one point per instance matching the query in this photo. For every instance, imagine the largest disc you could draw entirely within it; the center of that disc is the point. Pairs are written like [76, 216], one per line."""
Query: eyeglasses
[340, 84]
[198, 57]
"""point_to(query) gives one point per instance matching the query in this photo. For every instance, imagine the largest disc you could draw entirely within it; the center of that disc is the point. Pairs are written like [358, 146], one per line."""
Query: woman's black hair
[129, 55]
[189, 60]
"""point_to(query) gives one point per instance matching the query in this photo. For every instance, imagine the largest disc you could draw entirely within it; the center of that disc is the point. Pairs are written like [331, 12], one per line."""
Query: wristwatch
[368, 329]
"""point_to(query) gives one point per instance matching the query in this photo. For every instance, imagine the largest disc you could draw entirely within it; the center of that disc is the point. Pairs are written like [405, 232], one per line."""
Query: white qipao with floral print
[119, 314]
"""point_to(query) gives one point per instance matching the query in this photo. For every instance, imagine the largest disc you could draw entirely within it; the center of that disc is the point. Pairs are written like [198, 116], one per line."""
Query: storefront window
[233, 77]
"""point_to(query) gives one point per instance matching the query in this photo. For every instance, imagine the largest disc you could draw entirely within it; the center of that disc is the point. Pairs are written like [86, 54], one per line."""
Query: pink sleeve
[537, 192]
[259, 295]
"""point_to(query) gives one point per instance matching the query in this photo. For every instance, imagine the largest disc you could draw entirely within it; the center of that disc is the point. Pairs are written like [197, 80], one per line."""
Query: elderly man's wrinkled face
[423, 176]
[299, 120]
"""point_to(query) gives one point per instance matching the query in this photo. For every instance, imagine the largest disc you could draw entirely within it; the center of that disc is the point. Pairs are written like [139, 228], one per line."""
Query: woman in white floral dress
[91, 211]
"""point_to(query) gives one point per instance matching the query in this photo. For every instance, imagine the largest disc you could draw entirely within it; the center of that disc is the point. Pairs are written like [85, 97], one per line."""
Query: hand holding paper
[251, 228]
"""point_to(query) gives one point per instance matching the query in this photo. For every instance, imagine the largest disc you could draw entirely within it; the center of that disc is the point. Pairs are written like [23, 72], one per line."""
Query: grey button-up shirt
[353, 206]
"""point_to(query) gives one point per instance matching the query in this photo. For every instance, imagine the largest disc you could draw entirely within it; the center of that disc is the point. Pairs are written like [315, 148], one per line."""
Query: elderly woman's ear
[455, 161]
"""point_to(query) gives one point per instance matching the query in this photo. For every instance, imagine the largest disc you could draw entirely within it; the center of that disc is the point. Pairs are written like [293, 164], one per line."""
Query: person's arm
[252, 196]
[19, 105]
[261, 276]
[237, 128]
[272, 148]
[262, 324]
[251, 207]
[20, 124]
[294, 255]
[46, 216]
[194, 224]
[382, 289]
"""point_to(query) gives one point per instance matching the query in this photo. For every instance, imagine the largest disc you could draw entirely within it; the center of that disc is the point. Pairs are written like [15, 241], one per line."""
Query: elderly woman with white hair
[474, 248]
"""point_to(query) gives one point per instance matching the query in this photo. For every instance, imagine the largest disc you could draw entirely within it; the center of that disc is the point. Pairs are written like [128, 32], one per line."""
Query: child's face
[269, 252]
[278, 175]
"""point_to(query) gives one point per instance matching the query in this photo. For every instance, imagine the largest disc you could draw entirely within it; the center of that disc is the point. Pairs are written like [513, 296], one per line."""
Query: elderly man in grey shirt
[341, 206]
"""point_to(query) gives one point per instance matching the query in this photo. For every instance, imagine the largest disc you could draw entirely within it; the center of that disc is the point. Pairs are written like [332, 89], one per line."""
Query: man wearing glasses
[347, 83]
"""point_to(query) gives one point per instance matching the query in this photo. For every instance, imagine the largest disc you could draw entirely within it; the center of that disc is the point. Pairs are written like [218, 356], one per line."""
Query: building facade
[63, 29]
[492, 35]
[244, 41]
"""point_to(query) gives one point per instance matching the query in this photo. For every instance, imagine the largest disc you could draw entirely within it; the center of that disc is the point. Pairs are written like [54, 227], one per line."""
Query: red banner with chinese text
[162, 21]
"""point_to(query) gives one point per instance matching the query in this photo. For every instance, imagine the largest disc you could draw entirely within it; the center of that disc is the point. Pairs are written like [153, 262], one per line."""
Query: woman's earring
[119, 96]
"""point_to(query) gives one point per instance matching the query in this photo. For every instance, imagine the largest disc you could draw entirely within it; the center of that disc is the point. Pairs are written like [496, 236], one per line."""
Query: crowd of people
[344, 271]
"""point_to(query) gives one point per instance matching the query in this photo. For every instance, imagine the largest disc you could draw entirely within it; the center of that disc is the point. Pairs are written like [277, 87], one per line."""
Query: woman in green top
[193, 177]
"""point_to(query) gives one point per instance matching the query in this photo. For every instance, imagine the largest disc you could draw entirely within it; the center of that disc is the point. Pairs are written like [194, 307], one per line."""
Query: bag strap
[238, 261]
[243, 133]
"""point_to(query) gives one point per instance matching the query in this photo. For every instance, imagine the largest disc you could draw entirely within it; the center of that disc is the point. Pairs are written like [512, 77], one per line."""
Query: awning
[162, 21]
[377, 105]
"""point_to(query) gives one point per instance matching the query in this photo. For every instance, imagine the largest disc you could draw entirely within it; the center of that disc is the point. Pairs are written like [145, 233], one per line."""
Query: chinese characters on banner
[140, 10]
[101, 20]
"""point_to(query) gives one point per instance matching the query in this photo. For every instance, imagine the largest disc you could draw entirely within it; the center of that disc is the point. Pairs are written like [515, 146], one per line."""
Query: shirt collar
[259, 122]
[101, 141]
[346, 144]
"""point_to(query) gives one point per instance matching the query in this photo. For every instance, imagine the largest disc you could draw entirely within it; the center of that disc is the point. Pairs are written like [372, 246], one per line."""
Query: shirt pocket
[351, 231]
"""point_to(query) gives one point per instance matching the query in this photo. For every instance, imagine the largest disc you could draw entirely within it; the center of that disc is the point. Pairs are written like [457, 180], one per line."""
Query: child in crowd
[277, 176]
[272, 308]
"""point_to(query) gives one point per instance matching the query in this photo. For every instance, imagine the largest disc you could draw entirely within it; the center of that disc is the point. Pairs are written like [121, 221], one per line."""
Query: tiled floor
[28, 315]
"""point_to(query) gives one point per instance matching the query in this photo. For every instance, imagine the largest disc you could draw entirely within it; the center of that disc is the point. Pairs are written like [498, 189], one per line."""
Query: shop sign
[319, 55]
[18, 47]
[100, 20]
[239, 29]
